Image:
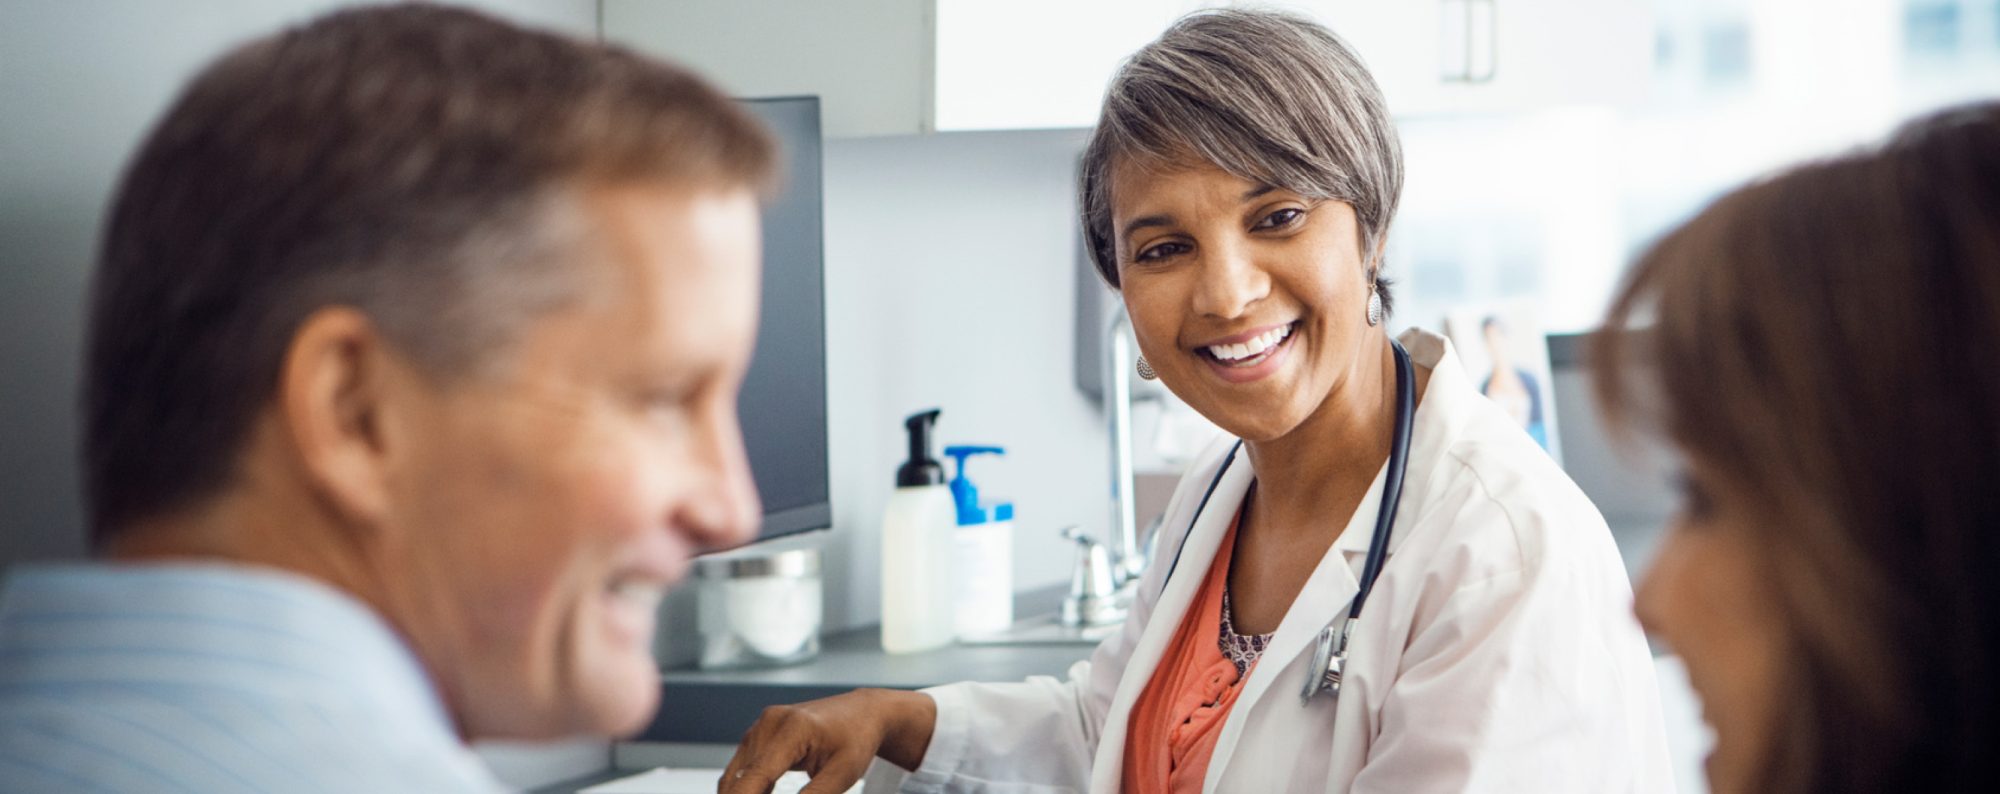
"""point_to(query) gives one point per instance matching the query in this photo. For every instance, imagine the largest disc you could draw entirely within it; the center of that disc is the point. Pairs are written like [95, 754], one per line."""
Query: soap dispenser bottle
[983, 570]
[917, 548]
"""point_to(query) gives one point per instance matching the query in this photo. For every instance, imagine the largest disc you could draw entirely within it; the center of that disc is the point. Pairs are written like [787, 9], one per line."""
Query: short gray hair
[1267, 96]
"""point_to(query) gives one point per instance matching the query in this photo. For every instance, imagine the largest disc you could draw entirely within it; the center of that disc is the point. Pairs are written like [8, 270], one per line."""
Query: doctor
[1237, 193]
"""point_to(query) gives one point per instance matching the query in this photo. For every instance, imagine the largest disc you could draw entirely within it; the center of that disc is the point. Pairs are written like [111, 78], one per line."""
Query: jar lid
[745, 564]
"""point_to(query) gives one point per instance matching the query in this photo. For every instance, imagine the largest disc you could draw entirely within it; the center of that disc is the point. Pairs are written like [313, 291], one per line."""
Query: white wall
[79, 83]
[950, 284]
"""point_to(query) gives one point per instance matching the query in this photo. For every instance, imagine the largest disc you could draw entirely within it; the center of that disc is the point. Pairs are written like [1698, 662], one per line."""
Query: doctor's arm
[1530, 679]
[1036, 734]
[1040, 734]
[832, 739]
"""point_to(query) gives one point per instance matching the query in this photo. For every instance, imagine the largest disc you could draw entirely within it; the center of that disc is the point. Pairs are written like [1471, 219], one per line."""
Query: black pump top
[921, 469]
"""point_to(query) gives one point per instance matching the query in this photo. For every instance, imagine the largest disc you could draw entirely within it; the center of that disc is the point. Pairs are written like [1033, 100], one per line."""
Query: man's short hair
[417, 163]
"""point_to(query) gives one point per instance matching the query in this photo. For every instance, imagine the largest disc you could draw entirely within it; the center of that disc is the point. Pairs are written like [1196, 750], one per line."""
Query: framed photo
[1503, 349]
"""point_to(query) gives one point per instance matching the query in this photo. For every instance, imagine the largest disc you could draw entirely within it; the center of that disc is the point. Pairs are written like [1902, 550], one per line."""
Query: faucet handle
[1131, 566]
[1095, 573]
[1093, 585]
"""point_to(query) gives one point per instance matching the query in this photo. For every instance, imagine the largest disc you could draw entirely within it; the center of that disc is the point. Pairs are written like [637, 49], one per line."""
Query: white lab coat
[1498, 651]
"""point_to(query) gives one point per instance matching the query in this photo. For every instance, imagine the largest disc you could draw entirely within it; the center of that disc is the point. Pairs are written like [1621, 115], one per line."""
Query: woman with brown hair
[1826, 355]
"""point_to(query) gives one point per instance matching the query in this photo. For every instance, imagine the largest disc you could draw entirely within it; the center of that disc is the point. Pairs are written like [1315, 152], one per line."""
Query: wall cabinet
[887, 67]
[1504, 55]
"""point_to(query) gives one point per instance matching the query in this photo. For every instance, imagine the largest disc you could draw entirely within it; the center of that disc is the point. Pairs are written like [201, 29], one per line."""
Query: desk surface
[716, 707]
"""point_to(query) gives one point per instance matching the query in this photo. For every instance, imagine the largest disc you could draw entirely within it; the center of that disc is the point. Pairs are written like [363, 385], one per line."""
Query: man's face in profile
[566, 490]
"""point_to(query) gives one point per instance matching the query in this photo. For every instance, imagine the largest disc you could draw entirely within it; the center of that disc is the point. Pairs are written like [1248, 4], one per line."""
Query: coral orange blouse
[1179, 715]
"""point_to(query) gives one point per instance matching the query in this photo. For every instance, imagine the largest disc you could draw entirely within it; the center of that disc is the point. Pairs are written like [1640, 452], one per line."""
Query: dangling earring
[1145, 369]
[1374, 299]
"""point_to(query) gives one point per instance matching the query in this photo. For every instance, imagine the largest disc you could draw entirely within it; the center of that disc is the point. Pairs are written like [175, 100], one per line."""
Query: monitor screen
[783, 405]
[1629, 479]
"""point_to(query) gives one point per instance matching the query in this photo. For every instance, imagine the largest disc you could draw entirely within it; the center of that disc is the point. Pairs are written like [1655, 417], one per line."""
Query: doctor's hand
[833, 740]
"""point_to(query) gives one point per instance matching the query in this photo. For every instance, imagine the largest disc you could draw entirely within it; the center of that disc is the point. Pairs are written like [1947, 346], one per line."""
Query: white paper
[690, 781]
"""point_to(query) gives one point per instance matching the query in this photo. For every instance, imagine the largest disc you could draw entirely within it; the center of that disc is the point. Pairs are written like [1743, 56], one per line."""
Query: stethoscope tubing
[1333, 653]
[1392, 479]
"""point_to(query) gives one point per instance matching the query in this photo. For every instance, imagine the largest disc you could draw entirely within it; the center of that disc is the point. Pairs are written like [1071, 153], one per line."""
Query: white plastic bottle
[983, 574]
[917, 549]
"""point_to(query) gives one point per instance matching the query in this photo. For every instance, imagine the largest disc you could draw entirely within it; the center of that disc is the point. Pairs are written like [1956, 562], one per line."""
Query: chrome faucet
[1130, 556]
[1106, 577]
[1096, 596]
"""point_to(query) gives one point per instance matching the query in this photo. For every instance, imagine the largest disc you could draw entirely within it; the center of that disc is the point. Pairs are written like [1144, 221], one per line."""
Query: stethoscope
[1329, 660]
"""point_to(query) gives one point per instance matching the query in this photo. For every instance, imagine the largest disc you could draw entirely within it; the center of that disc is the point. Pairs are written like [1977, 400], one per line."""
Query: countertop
[716, 707]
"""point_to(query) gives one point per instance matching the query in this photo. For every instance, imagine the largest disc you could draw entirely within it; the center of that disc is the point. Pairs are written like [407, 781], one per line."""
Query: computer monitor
[783, 404]
[1630, 477]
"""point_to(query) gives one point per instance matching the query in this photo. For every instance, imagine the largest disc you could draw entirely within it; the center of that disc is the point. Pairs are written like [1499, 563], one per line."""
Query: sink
[1041, 626]
[1043, 629]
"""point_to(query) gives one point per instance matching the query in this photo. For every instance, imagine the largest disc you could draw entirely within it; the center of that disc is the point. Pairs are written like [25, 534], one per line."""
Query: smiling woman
[1237, 192]
[1227, 281]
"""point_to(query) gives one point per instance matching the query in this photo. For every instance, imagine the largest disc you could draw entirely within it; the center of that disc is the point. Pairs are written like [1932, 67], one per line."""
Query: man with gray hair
[410, 385]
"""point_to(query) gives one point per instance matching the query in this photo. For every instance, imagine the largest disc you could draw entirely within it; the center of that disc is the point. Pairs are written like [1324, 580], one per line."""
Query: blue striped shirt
[212, 678]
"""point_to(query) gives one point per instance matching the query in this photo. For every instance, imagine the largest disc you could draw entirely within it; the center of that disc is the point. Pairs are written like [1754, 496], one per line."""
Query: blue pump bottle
[983, 560]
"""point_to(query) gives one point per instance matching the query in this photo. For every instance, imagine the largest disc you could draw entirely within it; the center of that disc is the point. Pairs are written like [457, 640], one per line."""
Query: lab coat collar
[1323, 600]
[1197, 553]
[1330, 590]
[1440, 418]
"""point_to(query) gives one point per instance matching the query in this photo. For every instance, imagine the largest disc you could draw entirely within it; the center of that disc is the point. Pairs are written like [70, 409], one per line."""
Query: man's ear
[333, 391]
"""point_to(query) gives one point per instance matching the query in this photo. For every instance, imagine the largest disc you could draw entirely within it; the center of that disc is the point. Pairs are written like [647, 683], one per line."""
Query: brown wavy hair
[1828, 340]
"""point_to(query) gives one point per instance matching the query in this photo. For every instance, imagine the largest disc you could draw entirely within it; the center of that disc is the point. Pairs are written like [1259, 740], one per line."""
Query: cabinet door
[867, 60]
[905, 66]
[1458, 56]
[1396, 39]
[1045, 63]
[1027, 64]
[1561, 52]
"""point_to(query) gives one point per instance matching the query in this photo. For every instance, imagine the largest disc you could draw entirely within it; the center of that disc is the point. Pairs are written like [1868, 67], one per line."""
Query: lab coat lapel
[1323, 600]
[1329, 592]
[1441, 418]
[1203, 540]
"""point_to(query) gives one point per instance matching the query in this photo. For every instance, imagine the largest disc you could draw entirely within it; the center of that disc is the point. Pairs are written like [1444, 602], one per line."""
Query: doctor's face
[1248, 300]
[556, 499]
[1707, 597]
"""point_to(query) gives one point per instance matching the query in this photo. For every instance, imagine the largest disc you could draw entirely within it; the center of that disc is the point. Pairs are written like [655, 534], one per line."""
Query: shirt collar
[209, 623]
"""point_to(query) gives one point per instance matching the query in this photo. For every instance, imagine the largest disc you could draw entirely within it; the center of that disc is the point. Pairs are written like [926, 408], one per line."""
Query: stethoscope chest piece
[1329, 662]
